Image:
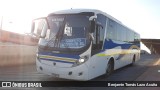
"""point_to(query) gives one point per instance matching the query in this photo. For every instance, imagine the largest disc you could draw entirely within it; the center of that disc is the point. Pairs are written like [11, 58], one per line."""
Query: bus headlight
[81, 60]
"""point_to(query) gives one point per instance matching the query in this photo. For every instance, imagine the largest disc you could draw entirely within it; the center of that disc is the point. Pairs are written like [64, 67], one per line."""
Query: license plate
[55, 75]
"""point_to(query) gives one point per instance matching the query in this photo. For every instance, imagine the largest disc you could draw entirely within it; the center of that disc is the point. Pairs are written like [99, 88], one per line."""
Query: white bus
[82, 44]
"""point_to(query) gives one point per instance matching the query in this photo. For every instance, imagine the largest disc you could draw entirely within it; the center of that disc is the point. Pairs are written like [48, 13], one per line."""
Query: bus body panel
[121, 51]
[78, 73]
[97, 66]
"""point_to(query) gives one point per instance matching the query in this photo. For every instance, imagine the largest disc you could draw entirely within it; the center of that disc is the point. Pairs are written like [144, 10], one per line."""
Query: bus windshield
[67, 32]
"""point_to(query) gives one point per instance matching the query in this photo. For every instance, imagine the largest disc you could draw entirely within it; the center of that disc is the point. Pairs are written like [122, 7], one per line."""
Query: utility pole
[1, 22]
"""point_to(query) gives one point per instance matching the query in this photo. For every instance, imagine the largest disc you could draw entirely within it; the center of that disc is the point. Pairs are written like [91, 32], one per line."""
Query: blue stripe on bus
[56, 60]
[59, 55]
[109, 44]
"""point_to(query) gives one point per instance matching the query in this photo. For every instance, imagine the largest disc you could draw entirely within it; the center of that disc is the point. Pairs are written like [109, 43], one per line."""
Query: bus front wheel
[110, 68]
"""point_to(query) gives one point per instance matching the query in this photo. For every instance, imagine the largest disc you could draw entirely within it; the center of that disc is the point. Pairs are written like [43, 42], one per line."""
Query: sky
[143, 16]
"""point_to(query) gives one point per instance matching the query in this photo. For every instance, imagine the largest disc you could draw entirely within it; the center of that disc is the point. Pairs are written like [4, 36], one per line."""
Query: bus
[82, 44]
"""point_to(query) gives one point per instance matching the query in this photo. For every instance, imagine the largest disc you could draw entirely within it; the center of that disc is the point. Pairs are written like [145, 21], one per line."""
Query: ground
[146, 69]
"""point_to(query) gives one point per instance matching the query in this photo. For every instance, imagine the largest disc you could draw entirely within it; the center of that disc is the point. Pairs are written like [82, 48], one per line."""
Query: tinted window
[136, 37]
[118, 32]
[112, 32]
[102, 21]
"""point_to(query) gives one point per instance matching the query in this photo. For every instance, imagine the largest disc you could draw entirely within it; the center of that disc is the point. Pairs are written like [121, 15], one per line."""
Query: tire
[133, 60]
[110, 68]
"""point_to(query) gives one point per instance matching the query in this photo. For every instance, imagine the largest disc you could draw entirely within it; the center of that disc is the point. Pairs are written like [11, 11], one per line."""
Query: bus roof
[76, 11]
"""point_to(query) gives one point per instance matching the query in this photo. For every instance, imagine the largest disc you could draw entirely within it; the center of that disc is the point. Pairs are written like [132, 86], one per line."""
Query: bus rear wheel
[133, 60]
[110, 68]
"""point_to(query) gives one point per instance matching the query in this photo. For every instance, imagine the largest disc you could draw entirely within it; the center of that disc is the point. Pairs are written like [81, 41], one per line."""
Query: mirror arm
[100, 25]
[92, 17]
[91, 36]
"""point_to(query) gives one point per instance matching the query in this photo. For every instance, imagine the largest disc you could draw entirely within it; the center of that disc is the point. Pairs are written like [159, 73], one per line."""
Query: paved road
[128, 73]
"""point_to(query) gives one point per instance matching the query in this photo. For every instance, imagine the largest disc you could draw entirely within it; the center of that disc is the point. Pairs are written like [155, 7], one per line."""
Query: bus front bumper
[75, 73]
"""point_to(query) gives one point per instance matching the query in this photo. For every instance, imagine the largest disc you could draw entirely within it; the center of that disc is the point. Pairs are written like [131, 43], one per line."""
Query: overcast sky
[143, 16]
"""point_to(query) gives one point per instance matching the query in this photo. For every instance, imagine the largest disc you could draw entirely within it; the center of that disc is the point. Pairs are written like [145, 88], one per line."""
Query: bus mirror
[32, 27]
[39, 28]
[93, 26]
[34, 30]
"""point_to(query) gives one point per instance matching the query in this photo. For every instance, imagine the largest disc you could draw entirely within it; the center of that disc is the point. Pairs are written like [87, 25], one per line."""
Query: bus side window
[112, 30]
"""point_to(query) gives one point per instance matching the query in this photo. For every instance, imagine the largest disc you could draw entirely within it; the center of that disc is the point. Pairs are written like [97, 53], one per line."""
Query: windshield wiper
[58, 37]
[57, 40]
[54, 40]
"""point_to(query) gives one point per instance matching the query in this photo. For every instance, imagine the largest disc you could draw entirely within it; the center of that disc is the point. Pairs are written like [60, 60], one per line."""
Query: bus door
[97, 43]
[99, 34]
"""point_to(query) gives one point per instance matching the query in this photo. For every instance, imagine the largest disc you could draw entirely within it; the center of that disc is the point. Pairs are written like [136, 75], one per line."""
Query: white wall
[11, 54]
